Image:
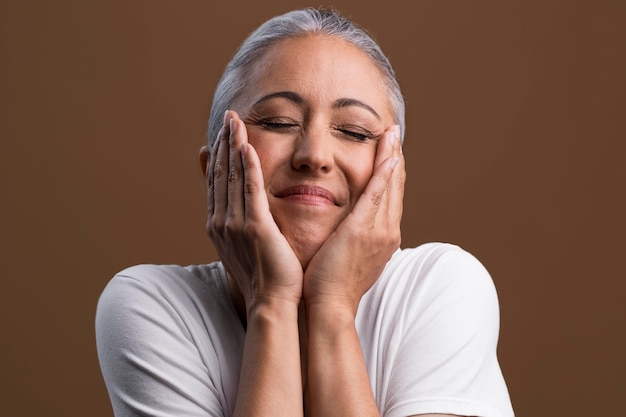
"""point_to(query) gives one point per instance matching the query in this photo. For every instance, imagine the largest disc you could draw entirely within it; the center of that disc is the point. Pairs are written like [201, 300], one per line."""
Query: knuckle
[401, 182]
[377, 197]
[234, 175]
[250, 187]
[217, 225]
[219, 169]
[251, 231]
[230, 228]
[212, 233]
[394, 237]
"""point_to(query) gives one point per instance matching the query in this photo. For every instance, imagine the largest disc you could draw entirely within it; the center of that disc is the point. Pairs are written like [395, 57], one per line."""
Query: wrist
[271, 311]
[330, 316]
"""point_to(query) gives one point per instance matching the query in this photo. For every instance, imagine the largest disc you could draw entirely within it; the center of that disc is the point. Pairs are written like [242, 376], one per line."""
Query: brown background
[515, 151]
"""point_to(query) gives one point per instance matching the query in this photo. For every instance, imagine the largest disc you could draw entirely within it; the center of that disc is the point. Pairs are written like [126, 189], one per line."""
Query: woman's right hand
[254, 252]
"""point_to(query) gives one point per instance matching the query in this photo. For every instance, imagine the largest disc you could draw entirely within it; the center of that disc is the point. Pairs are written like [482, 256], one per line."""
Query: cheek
[270, 156]
[358, 169]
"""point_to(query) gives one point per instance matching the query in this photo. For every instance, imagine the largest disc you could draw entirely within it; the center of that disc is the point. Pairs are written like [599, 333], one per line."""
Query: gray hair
[289, 25]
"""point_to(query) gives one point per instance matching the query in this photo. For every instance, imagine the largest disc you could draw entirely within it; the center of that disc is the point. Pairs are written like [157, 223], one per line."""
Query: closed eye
[279, 125]
[359, 135]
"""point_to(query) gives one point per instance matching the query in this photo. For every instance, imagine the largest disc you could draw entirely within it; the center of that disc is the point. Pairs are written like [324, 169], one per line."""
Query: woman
[313, 309]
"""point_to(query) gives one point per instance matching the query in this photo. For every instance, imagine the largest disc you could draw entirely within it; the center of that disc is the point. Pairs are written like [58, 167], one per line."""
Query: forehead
[320, 68]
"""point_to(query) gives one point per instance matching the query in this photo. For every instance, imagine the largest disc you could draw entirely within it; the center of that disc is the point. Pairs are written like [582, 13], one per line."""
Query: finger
[374, 195]
[255, 197]
[395, 194]
[384, 149]
[220, 175]
[390, 149]
[209, 174]
[237, 137]
[393, 199]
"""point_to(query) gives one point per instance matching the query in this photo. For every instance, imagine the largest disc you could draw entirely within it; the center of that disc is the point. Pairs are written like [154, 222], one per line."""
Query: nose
[313, 151]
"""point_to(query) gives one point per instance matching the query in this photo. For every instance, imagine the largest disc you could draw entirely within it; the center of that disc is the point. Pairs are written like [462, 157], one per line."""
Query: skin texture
[305, 188]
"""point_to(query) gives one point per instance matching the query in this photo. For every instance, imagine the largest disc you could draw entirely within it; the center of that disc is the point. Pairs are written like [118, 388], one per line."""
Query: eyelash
[271, 125]
[361, 137]
[287, 127]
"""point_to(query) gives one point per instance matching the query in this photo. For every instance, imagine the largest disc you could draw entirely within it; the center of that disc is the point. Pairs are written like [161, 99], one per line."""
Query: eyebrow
[297, 99]
[289, 95]
[347, 102]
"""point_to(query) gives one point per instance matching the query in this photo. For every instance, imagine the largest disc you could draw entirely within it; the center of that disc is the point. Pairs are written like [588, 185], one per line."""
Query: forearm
[270, 380]
[337, 376]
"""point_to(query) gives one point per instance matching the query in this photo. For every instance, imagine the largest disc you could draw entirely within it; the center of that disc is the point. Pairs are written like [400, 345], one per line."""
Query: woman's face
[315, 109]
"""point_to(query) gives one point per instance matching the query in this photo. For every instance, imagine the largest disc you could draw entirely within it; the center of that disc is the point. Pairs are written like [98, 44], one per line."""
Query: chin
[306, 232]
[305, 242]
[305, 249]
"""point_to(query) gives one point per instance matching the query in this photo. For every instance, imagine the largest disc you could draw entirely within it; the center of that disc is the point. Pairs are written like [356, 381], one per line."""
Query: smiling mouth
[308, 195]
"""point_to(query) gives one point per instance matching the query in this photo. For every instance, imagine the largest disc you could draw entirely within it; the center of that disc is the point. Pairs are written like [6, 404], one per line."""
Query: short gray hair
[290, 25]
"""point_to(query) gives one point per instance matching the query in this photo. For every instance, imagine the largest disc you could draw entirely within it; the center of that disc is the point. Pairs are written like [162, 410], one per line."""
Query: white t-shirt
[170, 341]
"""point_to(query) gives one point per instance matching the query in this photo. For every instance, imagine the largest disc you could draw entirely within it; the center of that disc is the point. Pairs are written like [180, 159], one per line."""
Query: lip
[308, 194]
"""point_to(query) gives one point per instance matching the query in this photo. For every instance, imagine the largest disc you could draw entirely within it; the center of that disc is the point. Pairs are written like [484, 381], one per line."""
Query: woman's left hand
[353, 257]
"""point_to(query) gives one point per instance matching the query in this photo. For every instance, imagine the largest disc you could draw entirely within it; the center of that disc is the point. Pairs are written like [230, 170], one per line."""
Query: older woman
[313, 309]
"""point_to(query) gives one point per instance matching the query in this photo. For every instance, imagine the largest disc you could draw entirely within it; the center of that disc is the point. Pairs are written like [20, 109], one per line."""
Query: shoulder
[143, 294]
[162, 276]
[435, 267]
[423, 258]
[131, 286]
[432, 285]
[167, 282]
[432, 323]
[167, 339]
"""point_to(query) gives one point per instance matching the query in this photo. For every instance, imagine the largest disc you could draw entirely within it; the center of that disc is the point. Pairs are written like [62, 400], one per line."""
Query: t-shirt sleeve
[444, 360]
[150, 363]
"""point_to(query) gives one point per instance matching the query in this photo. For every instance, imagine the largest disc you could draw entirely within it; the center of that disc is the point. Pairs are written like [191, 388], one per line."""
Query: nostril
[307, 167]
[312, 155]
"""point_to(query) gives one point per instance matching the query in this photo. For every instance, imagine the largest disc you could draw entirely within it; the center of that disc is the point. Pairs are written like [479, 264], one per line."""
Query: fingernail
[244, 149]
[394, 162]
[396, 130]
[233, 125]
[225, 116]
